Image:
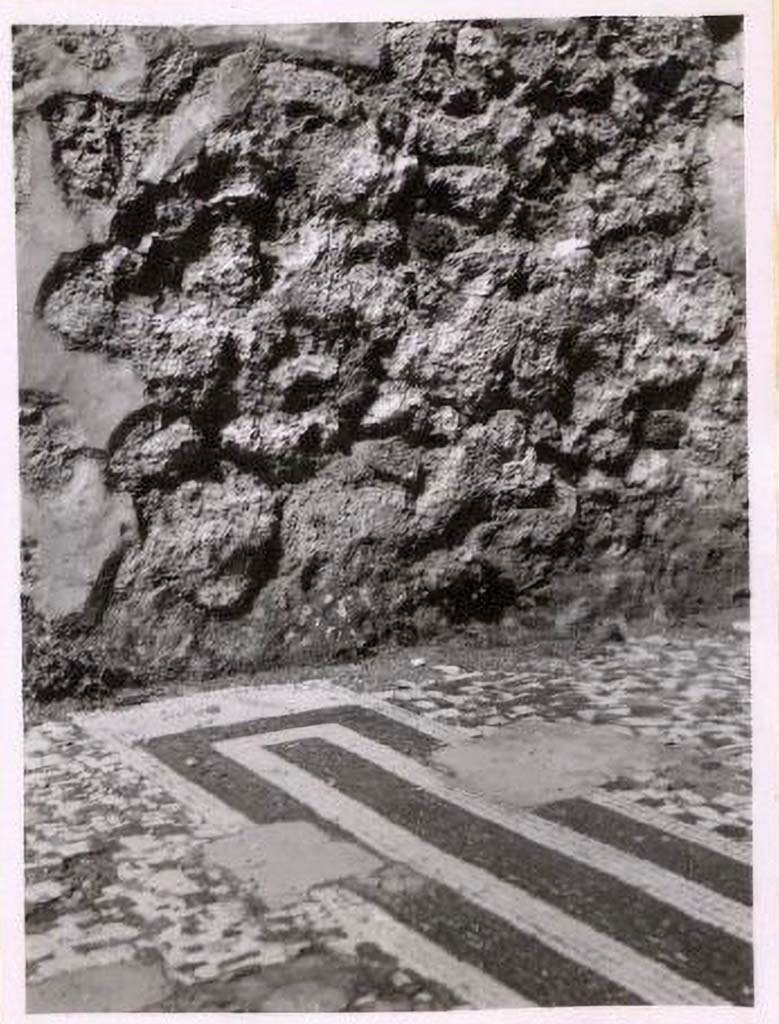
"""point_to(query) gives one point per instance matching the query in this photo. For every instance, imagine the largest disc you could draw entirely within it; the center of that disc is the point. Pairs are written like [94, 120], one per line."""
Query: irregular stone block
[304, 373]
[366, 180]
[183, 132]
[541, 528]
[453, 486]
[441, 138]
[446, 423]
[663, 428]
[652, 471]
[470, 191]
[229, 269]
[325, 518]
[523, 481]
[84, 133]
[393, 409]
[210, 542]
[462, 361]
[305, 91]
[656, 367]
[281, 440]
[702, 311]
[148, 454]
[184, 361]
[480, 60]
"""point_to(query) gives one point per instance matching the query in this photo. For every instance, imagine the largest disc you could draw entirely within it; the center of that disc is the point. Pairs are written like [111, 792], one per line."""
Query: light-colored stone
[43, 892]
[222, 536]
[366, 179]
[172, 881]
[570, 248]
[282, 861]
[446, 423]
[297, 89]
[470, 190]
[279, 436]
[162, 453]
[454, 138]
[392, 408]
[183, 132]
[705, 312]
[652, 471]
[312, 370]
[461, 360]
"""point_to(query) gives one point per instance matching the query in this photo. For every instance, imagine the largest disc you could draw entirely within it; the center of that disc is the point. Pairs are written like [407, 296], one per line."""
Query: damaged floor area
[572, 832]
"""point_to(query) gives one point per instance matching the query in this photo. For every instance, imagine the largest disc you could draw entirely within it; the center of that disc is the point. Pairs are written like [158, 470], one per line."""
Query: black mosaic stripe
[693, 949]
[697, 863]
[369, 723]
[192, 755]
[196, 760]
[478, 937]
[473, 935]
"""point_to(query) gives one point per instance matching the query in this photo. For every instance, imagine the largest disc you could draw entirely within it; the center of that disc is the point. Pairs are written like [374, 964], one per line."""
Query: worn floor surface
[575, 831]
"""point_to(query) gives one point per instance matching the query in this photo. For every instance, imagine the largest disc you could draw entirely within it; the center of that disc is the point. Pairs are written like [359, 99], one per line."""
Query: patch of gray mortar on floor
[538, 762]
[119, 987]
[284, 860]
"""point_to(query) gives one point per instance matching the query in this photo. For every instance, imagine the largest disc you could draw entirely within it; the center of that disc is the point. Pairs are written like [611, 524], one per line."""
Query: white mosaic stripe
[691, 898]
[231, 706]
[212, 709]
[360, 920]
[649, 816]
[363, 921]
[573, 939]
[428, 726]
[217, 708]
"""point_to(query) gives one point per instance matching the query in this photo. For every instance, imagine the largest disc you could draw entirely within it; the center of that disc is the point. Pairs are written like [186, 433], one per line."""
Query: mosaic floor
[687, 692]
[301, 848]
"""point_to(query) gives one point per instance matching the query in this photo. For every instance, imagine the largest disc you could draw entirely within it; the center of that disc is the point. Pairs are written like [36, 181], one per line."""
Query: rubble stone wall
[336, 335]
